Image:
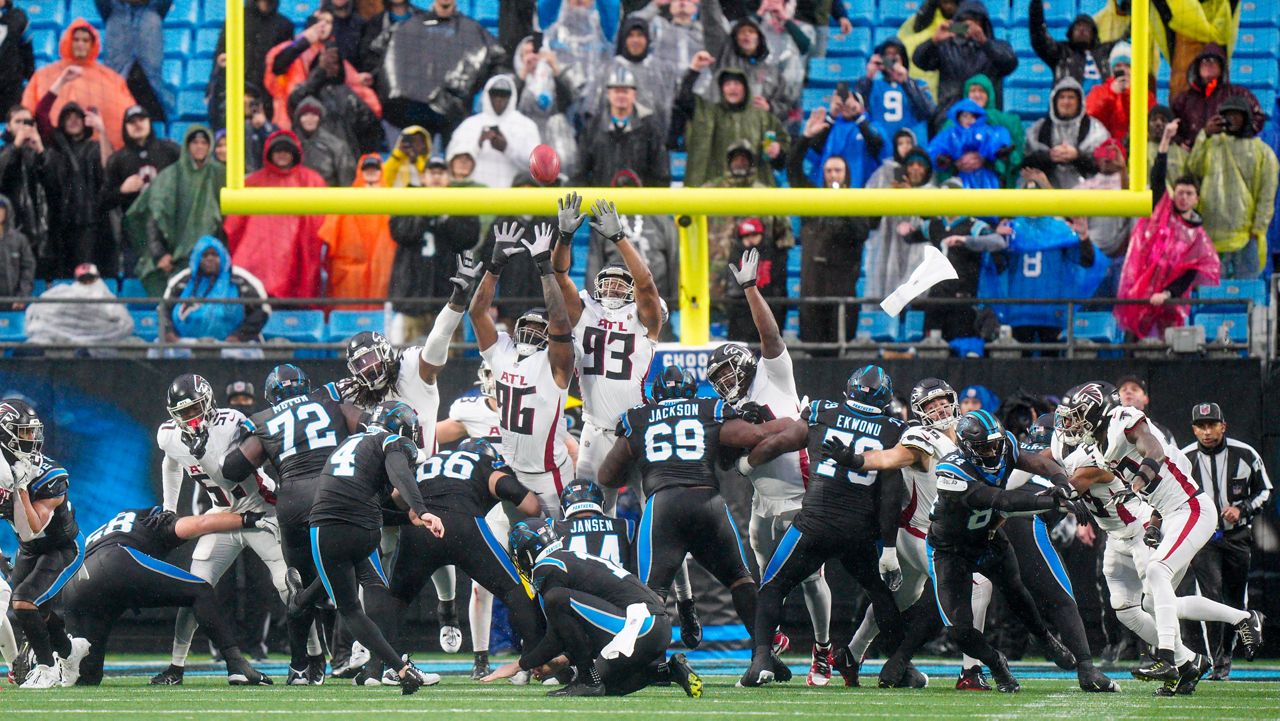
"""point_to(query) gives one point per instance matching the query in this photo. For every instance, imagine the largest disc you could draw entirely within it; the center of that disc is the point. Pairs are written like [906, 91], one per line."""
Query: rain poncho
[279, 86]
[326, 153]
[1079, 131]
[762, 69]
[1237, 188]
[577, 38]
[717, 125]
[655, 79]
[1162, 249]
[193, 319]
[497, 168]
[1195, 105]
[890, 258]
[98, 86]
[178, 207]
[982, 138]
[398, 171]
[1006, 167]
[1045, 259]
[544, 98]
[856, 140]
[85, 323]
[958, 58]
[281, 250]
[359, 255]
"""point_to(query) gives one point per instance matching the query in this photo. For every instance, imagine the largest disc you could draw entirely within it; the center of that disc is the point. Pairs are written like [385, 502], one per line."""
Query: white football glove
[744, 467]
[890, 570]
[570, 217]
[746, 271]
[605, 220]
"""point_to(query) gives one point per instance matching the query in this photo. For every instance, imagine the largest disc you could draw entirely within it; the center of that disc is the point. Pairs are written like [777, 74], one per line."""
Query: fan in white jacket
[499, 137]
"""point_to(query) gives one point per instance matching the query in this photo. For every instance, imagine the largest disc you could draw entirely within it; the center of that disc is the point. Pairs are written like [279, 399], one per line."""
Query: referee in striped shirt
[1232, 474]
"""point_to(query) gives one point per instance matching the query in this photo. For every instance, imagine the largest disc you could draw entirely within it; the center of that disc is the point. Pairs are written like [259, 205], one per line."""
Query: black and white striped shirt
[1234, 475]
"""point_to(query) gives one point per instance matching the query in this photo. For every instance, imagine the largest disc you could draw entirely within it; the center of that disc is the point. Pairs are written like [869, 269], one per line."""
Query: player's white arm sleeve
[436, 350]
[171, 482]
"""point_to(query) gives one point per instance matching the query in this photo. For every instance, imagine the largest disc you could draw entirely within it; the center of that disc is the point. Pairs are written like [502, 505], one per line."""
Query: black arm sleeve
[509, 489]
[979, 497]
[1181, 284]
[892, 491]
[283, 59]
[235, 467]
[1159, 177]
[401, 475]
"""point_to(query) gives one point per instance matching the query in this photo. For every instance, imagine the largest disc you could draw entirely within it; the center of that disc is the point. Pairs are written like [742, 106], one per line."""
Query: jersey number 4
[513, 415]
[619, 347]
[686, 441]
[318, 434]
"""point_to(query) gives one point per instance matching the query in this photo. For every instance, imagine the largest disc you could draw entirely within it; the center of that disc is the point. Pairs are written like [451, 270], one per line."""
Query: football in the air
[544, 164]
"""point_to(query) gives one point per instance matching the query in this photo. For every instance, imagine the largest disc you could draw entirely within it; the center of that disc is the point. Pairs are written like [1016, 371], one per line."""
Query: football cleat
[481, 667]
[820, 668]
[760, 671]
[1158, 669]
[356, 660]
[577, 688]
[684, 676]
[1250, 633]
[521, 678]
[70, 666]
[22, 665]
[690, 625]
[781, 671]
[781, 643]
[1189, 675]
[914, 677]
[1221, 670]
[1059, 654]
[972, 679]
[298, 678]
[1094, 681]
[844, 662]
[1000, 673]
[293, 587]
[42, 676]
[390, 678]
[450, 633]
[315, 670]
[364, 678]
[171, 676]
[245, 675]
[1168, 689]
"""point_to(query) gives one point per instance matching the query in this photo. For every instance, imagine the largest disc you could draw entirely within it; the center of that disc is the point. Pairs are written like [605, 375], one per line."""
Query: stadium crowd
[371, 94]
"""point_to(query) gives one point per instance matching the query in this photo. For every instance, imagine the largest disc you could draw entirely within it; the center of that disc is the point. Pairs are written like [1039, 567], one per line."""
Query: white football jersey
[922, 487]
[1119, 455]
[614, 352]
[783, 478]
[206, 470]
[474, 413]
[422, 397]
[530, 407]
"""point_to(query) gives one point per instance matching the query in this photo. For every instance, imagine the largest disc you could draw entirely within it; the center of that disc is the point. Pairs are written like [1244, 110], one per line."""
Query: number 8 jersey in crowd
[615, 353]
[224, 431]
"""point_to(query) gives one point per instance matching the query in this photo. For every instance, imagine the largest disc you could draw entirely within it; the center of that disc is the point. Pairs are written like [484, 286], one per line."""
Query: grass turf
[208, 697]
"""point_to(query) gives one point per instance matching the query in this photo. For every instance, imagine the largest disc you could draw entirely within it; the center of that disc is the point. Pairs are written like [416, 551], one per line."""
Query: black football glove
[1070, 502]
[755, 413]
[838, 451]
[196, 444]
[158, 520]
[1152, 536]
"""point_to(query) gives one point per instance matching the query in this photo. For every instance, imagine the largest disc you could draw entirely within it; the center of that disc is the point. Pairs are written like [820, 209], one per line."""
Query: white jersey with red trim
[530, 407]
[1173, 486]
[780, 483]
[475, 415]
[408, 386]
[922, 487]
[614, 352]
[1117, 510]
[224, 431]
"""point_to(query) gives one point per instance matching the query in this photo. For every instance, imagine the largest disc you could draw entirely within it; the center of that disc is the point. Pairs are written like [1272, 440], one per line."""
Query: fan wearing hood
[406, 167]
[715, 126]
[18, 269]
[132, 168]
[176, 209]
[282, 250]
[895, 100]
[78, 153]
[350, 113]
[969, 147]
[959, 57]
[578, 39]
[359, 248]
[653, 78]
[545, 96]
[1208, 87]
[326, 153]
[1066, 138]
[134, 38]
[81, 323]
[1080, 55]
[722, 233]
[1237, 174]
[17, 55]
[499, 137]
[677, 35]
[211, 273]
[980, 90]
[845, 131]
[924, 24]
[891, 167]
[96, 86]
[776, 74]
[1109, 101]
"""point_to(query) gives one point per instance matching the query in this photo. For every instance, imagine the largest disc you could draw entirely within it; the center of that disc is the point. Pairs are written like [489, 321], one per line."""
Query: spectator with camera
[961, 48]
[129, 171]
[351, 110]
[30, 180]
[734, 119]
[1208, 87]
[1080, 55]
[895, 100]
[1109, 101]
[499, 137]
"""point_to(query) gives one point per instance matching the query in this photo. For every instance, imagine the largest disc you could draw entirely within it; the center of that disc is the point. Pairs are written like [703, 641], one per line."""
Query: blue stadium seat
[1257, 43]
[213, 13]
[1267, 98]
[485, 11]
[815, 98]
[345, 323]
[178, 130]
[1099, 327]
[877, 325]
[913, 326]
[1255, 13]
[826, 72]
[679, 162]
[1244, 290]
[197, 73]
[893, 12]
[1031, 73]
[857, 42]
[793, 263]
[1237, 325]
[177, 43]
[13, 326]
[45, 45]
[146, 324]
[861, 14]
[299, 326]
[1000, 15]
[1056, 12]
[206, 42]
[793, 286]
[191, 106]
[860, 289]
[132, 288]
[1020, 39]
[1029, 103]
[791, 325]
[1254, 72]
[296, 10]
[38, 287]
[84, 9]
[1162, 75]
[172, 71]
[46, 14]
[185, 13]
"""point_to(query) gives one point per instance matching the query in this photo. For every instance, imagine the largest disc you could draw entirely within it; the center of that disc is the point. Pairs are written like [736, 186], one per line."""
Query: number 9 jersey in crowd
[530, 409]
[224, 431]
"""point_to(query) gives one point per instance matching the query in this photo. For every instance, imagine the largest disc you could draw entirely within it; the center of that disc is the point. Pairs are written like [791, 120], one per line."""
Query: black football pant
[584, 624]
[800, 554]
[1044, 575]
[1222, 571]
[121, 578]
[338, 551]
[470, 545]
[38, 579]
[295, 546]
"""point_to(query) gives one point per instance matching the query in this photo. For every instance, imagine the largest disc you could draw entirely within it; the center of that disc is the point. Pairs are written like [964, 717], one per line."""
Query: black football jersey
[676, 442]
[124, 530]
[609, 538]
[457, 482]
[298, 436]
[838, 497]
[51, 481]
[956, 525]
[593, 575]
[354, 483]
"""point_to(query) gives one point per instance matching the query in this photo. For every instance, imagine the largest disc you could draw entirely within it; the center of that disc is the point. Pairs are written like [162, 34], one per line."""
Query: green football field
[208, 697]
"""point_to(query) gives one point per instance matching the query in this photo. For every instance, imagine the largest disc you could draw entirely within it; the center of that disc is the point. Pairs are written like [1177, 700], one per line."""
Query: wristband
[560, 338]
[558, 271]
[564, 238]
[1149, 464]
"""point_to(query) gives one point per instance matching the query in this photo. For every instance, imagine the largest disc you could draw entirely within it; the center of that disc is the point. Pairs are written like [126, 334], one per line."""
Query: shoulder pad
[921, 438]
[1127, 417]
[951, 477]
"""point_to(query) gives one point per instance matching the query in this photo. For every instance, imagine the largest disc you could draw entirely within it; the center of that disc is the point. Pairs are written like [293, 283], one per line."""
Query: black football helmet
[673, 382]
[581, 494]
[370, 358]
[941, 416]
[482, 447]
[21, 432]
[486, 380]
[1081, 417]
[730, 371]
[284, 382]
[397, 417]
[869, 389]
[191, 404]
[614, 286]
[981, 438]
[531, 331]
[529, 540]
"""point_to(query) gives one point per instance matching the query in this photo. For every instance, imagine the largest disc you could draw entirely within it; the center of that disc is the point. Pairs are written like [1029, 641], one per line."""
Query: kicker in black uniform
[586, 528]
